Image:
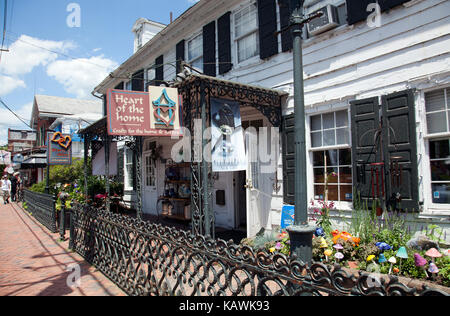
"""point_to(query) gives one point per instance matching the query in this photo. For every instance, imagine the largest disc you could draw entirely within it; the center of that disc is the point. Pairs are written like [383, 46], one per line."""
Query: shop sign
[154, 113]
[59, 149]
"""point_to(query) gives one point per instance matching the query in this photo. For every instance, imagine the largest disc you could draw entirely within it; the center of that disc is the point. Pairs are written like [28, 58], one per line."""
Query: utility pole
[301, 233]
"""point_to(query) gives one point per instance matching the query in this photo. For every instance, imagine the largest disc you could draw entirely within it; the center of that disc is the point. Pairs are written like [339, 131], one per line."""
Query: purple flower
[278, 246]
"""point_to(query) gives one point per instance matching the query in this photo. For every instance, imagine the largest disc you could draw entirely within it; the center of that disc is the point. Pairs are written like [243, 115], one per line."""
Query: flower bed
[382, 245]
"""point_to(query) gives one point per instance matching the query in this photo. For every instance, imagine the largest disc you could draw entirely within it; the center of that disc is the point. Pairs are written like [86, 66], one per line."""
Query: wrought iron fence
[143, 258]
[42, 207]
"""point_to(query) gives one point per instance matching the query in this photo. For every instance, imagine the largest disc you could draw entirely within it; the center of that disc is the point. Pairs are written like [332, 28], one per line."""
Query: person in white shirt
[6, 189]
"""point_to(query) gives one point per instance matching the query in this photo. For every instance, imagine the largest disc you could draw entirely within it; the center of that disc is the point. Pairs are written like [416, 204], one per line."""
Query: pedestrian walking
[14, 187]
[6, 189]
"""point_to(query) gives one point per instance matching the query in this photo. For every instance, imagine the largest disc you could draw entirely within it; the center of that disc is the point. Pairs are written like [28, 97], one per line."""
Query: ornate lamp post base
[301, 241]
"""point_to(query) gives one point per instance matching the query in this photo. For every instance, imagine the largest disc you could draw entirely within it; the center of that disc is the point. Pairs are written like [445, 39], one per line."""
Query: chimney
[171, 17]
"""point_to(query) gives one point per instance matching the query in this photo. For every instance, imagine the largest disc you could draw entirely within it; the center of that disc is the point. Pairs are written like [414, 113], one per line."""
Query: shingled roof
[51, 106]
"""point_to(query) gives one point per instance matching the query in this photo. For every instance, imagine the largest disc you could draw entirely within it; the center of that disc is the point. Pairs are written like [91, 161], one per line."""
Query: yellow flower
[328, 253]
[272, 250]
[370, 258]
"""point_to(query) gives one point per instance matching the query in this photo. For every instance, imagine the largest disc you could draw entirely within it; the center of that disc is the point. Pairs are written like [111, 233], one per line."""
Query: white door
[253, 222]
[259, 183]
[149, 178]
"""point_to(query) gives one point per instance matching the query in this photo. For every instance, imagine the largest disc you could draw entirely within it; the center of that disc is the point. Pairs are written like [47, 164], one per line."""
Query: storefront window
[332, 166]
[129, 169]
[438, 123]
[336, 166]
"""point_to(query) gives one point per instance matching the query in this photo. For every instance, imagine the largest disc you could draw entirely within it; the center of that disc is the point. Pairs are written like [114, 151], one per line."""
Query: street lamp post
[301, 233]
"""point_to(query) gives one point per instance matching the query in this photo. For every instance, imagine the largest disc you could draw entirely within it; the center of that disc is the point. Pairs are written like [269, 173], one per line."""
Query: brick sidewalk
[33, 261]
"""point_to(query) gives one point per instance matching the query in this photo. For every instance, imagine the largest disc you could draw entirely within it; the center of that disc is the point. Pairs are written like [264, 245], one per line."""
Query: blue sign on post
[287, 216]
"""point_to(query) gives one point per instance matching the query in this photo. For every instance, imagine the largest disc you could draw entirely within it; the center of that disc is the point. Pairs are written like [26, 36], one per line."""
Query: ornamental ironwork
[147, 259]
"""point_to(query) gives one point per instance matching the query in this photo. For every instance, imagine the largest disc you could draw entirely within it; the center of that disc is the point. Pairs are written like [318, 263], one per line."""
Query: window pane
[328, 121]
[435, 101]
[195, 48]
[437, 123]
[319, 192]
[440, 170]
[341, 119]
[329, 138]
[316, 123]
[316, 139]
[342, 135]
[345, 175]
[440, 149]
[319, 175]
[245, 21]
[345, 157]
[346, 193]
[247, 47]
[441, 193]
[332, 174]
[332, 157]
[333, 193]
[318, 159]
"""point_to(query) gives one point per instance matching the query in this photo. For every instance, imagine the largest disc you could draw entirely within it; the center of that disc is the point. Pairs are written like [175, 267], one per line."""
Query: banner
[59, 149]
[154, 113]
[227, 137]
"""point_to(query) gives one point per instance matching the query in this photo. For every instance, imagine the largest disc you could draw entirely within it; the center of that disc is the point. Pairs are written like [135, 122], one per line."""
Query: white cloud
[80, 76]
[9, 84]
[27, 52]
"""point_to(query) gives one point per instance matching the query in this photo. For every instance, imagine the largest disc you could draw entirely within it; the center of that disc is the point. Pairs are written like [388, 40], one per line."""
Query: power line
[9, 109]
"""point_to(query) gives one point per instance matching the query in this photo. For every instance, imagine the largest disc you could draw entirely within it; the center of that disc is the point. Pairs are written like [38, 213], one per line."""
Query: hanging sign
[59, 149]
[153, 113]
[227, 136]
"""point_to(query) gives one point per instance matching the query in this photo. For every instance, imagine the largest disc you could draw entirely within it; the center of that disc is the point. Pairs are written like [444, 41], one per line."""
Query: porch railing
[42, 207]
[143, 258]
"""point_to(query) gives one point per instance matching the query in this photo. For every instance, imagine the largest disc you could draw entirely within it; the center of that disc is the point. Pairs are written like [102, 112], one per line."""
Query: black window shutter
[120, 86]
[209, 49]
[180, 52]
[159, 70]
[224, 34]
[137, 81]
[288, 152]
[268, 40]
[285, 15]
[399, 134]
[365, 122]
[357, 9]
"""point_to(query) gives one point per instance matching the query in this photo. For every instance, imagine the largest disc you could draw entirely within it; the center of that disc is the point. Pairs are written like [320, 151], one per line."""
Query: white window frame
[191, 61]
[127, 176]
[341, 205]
[430, 207]
[249, 32]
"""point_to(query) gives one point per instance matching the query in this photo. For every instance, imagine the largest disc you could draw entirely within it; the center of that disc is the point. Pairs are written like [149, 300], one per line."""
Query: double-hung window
[246, 32]
[437, 107]
[331, 156]
[195, 52]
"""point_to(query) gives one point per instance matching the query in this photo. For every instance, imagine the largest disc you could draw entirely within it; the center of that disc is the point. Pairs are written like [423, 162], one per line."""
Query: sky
[66, 48]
